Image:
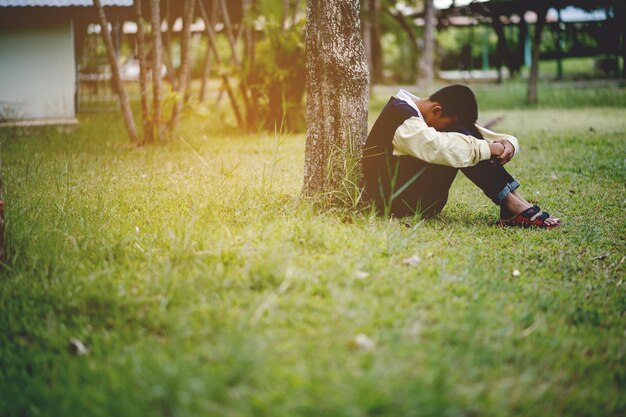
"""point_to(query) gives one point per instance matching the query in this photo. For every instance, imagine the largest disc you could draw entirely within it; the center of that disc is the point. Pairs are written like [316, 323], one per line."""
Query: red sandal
[524, 219]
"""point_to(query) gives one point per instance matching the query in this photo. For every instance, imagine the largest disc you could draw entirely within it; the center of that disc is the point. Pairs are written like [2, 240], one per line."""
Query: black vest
[401, 186]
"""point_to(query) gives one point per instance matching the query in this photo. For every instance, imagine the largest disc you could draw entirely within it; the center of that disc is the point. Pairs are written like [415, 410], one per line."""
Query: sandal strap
[544, 216]
[530, 212]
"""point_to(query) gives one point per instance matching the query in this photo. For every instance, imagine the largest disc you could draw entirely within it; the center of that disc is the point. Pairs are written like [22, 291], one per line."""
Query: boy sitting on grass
[416, 147]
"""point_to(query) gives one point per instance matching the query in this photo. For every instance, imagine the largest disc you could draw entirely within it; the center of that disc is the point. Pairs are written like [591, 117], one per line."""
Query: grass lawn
[202, 285]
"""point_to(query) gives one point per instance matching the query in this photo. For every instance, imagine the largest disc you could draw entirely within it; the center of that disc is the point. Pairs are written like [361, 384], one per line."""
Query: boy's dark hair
[458, 100]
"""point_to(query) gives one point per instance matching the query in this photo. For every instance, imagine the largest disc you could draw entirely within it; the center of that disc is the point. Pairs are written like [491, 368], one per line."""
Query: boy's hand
[509, 151]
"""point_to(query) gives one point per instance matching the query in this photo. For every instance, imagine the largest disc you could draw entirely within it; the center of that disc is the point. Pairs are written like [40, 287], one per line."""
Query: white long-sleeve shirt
[415, 138]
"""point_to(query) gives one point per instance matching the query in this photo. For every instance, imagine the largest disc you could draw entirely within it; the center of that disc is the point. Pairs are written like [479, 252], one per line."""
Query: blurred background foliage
[268, 79]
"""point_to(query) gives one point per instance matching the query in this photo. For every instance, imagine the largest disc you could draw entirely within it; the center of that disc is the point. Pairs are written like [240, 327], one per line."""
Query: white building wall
[37, 72]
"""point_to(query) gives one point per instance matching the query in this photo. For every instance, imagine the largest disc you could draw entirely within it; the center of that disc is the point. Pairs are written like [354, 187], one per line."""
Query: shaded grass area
[202, 285]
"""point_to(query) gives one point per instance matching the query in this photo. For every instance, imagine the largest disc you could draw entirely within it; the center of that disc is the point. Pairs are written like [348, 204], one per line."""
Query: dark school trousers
[427, 194]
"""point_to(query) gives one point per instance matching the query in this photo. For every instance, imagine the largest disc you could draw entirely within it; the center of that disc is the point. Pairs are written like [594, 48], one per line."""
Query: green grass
[203, 285]
[512, 95]
[575, 67]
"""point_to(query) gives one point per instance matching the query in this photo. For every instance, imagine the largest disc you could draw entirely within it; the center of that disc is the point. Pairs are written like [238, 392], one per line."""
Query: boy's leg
[500, 187]
[427, 192]
[493, 179]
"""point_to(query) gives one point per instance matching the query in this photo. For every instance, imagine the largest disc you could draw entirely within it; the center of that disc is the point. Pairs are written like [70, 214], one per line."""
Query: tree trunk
[534, 67]
[157, 63]
[427, 59]
[366, 32]
[206, 66]
[181, 86]
[148, 134]
[337, 93]
[115, 73]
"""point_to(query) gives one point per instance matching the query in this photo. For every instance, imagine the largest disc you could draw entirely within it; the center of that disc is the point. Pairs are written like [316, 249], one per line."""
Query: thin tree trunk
[211, 36]
[167, 48]
[285, 14]
[620, 15]
[157, 62]
[148, 134]
[2, 222]
[404, 25]
[230, 34]
[399, 17]
[115, 73]
[249, 45]
[427, 59]
[503, 51]
[243, 84]
[532, 97]
[295, 8]
[206, 66]
[249, 32]
[521, 43]
[188, 11]
[559, 49]
[337, 93]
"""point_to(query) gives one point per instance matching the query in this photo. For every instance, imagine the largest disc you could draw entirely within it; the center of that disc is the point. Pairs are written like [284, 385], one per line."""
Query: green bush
[277, 76]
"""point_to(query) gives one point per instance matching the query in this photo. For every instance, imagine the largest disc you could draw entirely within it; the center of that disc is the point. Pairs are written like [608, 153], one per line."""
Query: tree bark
[157, 62]
[115, 73]
[366, 29]
[532, 97]
[181, 85]
[337, 93]
[427, 59]
[148, 134]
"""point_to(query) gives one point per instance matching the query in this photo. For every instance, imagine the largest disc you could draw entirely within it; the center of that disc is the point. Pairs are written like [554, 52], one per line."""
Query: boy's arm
[491, 136]
[415, 138]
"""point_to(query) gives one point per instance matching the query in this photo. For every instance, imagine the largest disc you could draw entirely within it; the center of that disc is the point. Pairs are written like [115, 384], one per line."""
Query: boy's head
[452, 107]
